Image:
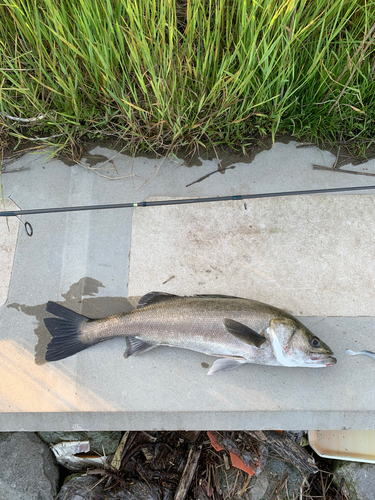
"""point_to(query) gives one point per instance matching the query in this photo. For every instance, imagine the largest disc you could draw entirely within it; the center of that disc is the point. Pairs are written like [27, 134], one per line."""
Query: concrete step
[310, 255]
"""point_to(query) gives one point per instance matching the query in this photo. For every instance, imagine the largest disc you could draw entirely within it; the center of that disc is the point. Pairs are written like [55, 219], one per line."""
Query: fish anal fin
[136, 346]
[154, 298]
[244, 333]
[223, 364]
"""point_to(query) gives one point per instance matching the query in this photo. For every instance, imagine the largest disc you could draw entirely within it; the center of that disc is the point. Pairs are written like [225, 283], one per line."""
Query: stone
[28, 470]
[359, 478]
[278, 470]
[98, 440]
[83, 488]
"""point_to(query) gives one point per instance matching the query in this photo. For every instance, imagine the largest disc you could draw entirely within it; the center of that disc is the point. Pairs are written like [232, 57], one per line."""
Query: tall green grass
[160, 75]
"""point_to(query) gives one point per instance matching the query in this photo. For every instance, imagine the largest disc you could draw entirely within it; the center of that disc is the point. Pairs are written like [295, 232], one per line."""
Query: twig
[219, 170]
[188, 473]
[334, 166]
[301, 487]
[97, 483]
[26, 120]
[360, 162]
[116, 460]
[152, 439]
[105, 472]
[42, 138]
[235, 483]
[169, 279]
[21, 169]
[280, 485]
[340, 488]
[249, 478]
[135, 450]
[320, 167]
[305, 145]
[323, 486]
[95, 170]
[285, 446]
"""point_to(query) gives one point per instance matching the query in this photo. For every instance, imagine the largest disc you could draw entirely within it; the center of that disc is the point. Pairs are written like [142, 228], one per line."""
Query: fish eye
[315, 342]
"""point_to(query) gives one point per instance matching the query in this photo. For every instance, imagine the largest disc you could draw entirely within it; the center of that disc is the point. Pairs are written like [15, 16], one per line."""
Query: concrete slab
[310, 255]
[82, 261]
[9, 233]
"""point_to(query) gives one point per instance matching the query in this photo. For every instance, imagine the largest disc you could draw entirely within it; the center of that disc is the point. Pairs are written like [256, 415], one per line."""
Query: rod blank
[183, 201]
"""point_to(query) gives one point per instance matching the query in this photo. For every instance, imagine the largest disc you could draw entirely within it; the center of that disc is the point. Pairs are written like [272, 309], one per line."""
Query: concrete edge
[95, 421]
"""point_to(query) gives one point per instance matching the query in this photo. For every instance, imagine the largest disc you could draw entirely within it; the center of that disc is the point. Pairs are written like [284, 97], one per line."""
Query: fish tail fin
[65, 331]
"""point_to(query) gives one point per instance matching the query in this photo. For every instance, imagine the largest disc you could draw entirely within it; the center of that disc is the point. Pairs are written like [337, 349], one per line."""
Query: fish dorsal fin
[157, 297]
[244, 333]
[216, 296]
[136, 346]
[223, 364]
[154, 298]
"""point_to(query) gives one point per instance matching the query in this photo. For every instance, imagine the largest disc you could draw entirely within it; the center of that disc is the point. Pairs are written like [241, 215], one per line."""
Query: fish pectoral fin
[244, 333]
[136, 346]
[224, 364]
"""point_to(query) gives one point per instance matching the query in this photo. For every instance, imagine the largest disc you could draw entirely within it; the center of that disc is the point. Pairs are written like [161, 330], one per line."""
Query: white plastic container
[358, 446]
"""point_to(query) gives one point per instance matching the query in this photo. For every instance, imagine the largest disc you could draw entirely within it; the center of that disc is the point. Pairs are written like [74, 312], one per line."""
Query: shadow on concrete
[81, 298]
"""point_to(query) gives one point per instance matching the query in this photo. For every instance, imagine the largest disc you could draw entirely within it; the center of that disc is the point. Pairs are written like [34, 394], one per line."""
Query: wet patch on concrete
[225, 156]
[346, 153]
[75, 299]
[83, 288]
[95, 159]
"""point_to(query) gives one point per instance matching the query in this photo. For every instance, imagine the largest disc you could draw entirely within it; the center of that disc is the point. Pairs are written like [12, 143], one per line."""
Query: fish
[235, 330]
[366, 353]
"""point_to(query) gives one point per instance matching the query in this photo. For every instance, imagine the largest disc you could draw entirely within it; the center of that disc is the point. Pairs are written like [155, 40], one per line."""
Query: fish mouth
[330, 361]
[323, 359]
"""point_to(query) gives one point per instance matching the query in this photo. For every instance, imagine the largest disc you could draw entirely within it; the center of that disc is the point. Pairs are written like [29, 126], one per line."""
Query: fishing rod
[29, 229]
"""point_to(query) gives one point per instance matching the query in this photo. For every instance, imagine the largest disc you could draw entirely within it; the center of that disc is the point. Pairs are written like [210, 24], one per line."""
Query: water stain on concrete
[227, 157]
[81, 298]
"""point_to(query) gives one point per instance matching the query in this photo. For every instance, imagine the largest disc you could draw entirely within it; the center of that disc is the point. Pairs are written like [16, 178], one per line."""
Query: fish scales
[234, 329]
[191, 323]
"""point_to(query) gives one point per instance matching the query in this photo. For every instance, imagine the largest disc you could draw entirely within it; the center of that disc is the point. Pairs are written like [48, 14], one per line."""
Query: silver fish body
[236, 330]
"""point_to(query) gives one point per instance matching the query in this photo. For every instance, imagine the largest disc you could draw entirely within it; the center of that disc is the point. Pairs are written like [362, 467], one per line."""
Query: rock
[82, 488]
[71, 476]
[78, 488]
[28, 470]
[279, 470]
[359, 478]
[109, 440]
[260, 486]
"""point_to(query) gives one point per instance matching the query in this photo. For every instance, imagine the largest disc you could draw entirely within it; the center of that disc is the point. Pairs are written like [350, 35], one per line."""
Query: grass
[159, 75]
